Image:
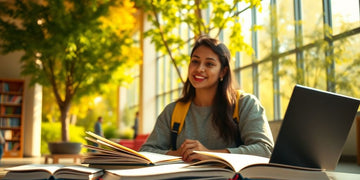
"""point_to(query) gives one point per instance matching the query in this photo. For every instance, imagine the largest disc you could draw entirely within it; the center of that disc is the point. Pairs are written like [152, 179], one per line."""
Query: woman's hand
[174, 153]
[187, 149]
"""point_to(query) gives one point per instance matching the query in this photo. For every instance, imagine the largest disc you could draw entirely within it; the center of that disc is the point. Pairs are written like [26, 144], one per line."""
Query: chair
[136, 143]
[127, 143]
[275, 128]
[140, 140]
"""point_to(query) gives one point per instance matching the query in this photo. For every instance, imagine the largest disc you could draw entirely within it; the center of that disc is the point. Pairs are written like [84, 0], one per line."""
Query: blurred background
[83, 59]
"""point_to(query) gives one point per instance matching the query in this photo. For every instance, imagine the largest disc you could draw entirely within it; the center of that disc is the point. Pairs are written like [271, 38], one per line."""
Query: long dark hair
[225, 97]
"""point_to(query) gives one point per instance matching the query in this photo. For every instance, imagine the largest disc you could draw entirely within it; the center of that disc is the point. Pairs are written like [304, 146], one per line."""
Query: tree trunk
[65, 123]
[73, 119]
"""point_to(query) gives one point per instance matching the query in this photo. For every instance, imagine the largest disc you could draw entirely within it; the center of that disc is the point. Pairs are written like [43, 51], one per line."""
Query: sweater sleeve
[159, 140]
[254, 128]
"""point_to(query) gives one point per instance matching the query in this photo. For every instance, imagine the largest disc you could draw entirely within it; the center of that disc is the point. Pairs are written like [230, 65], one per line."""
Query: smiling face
[205, 68]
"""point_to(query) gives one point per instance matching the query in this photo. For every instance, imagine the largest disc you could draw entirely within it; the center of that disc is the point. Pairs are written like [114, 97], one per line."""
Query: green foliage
[88, 110]
[50, 132]
[74, 47]
[128, 115]
[168, 16]
[325, 60]
[127, 133]
[111, 132]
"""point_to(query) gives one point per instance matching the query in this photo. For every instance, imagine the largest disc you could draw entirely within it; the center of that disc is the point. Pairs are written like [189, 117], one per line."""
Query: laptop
[315, 127]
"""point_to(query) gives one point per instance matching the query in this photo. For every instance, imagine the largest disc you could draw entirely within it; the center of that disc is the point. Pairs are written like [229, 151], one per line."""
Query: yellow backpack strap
[177, 120]
[236, 110]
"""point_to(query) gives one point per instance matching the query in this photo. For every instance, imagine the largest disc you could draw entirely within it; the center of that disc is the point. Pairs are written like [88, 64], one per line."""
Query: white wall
[10, 65]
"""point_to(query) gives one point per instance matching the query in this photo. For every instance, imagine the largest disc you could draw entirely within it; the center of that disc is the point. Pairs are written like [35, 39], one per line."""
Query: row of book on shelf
[10, 99]
[11, 134]
[9, 110]
[4, 87]
[10, 122]
[112, 161]
[7, 87]
[12, 139]
[11, 146]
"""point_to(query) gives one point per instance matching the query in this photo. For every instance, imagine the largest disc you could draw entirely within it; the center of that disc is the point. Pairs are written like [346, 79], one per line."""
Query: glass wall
[314, 43]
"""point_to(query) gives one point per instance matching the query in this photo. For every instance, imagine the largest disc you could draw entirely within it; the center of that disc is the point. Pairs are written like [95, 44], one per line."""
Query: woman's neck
[204, 97]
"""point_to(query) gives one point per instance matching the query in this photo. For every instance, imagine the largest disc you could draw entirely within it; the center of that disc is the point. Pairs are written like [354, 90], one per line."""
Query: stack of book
[112, 161]
[121, 162]
[221, 166]
[111, 155]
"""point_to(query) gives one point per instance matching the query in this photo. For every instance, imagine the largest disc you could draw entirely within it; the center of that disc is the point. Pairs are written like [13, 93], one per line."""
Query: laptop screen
[315, 127]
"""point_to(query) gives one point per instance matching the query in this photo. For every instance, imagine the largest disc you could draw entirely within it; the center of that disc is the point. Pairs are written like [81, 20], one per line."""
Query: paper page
[270, 171]
[78, 172]
[113, 143]
[157, 158]
[51, 168]
[170, 171]
[150, 171]
[237, 161]
[114, 154]
[107, 156]
[82, 169]
[98, 159]
[108, 146]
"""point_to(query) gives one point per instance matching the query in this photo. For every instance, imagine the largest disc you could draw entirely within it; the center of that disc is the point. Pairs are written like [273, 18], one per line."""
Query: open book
[221, 166]
[52, 171]
[110, 155]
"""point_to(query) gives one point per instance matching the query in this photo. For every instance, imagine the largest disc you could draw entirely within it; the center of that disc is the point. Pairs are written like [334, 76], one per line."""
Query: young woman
[209, 125]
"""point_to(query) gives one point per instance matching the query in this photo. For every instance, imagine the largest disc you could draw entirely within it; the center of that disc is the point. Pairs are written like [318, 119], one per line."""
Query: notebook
[315, 127]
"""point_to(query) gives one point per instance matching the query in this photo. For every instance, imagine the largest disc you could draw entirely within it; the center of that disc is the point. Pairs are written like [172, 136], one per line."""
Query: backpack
[179, 114]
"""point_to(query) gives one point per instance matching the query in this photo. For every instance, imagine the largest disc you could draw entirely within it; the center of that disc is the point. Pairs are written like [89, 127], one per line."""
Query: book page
[169, 171]
[161, 158]
[106, 156]
[12, 175]
[78, 169]
[279, 171]
[235, 161]
[50, 168]
[109, 159]
[78, 172]
[114, 154]
[286, 166]
[109, 146]
[114, 144]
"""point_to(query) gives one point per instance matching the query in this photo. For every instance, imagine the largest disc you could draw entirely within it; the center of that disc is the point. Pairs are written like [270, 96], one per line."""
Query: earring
[221, 79]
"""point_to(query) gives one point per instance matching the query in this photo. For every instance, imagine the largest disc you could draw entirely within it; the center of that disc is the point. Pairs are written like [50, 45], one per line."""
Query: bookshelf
[11, 116]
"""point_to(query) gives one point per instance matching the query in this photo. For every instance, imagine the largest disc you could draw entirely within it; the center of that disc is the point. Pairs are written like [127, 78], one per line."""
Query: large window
[314, 43]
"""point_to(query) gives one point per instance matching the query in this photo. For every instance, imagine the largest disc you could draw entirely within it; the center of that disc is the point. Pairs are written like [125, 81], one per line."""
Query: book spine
[5, 87]
[9, 122]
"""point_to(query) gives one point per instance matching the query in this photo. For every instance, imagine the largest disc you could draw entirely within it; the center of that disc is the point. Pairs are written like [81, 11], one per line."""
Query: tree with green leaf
[73, 47]
[167, 16]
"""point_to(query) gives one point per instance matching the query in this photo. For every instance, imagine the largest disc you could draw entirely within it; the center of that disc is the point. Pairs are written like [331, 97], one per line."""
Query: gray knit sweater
[253, 127]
